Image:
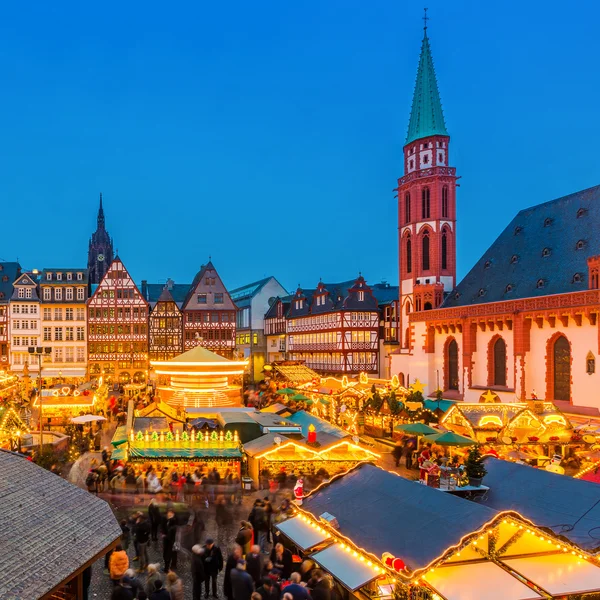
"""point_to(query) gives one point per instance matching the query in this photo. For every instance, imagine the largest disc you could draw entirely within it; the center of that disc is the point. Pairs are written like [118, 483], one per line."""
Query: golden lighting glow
[549, 419]
[318, 453]
[490, 420]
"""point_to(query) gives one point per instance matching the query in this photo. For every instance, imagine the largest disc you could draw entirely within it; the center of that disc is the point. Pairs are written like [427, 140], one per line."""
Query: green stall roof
[120, 436]
[184, 453]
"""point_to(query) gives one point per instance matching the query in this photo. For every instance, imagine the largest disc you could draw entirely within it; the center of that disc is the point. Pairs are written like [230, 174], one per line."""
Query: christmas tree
[185, 436]
[228, 436]
[474, 466]
[154, 436]
[139, 436]
[169, 436]
[213, 436]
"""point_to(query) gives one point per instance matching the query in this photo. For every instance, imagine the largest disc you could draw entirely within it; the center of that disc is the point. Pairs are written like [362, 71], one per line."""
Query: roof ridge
[548, 202]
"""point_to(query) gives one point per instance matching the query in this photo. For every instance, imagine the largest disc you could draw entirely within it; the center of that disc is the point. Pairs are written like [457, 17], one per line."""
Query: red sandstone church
[524, 321]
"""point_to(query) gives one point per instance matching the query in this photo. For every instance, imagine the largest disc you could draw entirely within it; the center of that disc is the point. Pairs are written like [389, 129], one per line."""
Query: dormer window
[546, 252]
[69, 276]
[548, 222]
[481, 292]
[581, 213]
[299, 304]
[457, 296]
[509, 288]
[540, 283]
[487, 264]
[580, 245]
[577, 278]
[59, 277]
[514, 259]
[48, 276]
[518, 230]
[361, 296]
[79, 276]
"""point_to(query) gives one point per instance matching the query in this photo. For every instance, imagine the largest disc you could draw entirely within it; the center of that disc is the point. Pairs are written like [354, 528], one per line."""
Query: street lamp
[39, 352]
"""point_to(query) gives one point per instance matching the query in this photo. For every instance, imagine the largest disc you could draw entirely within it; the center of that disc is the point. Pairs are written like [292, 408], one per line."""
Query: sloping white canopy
[474, 581]
[345, 567]
[301, 533]
[558, 573]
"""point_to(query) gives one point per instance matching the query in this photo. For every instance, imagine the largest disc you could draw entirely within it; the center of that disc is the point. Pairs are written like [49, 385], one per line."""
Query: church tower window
[425, 203]
[407, 207]
[408, 255]
[445, 202]
[444, 249]
[425, 251]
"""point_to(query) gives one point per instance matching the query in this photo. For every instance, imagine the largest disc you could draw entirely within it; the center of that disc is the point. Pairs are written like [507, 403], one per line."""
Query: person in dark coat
[198, 576]
[296, 589]
[268, 590]
[213, 565]
[170, 535]
[141, 533]
[121, 592]
[242, 585]
[232, 560]
[154, 518]
[320, 589]
[254, 564]
[282, 560]
[160, 592]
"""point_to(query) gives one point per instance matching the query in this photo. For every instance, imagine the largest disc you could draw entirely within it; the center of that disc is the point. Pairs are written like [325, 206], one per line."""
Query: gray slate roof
[10, 270]
[48, 528]
[178, 292]
[412, 521]
[569, 507]
[517, 257]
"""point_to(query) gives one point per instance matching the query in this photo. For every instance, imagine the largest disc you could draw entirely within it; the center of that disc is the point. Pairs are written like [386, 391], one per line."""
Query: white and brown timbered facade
[209, 314]
[165, 328]
[275, 329]
[118, 328]
[335, 329]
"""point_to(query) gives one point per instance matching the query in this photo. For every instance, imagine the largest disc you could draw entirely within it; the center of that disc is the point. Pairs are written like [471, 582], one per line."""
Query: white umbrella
[87, 419]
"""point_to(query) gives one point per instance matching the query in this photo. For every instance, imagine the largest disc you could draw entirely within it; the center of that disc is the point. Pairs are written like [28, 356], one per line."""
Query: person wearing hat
[213, 564]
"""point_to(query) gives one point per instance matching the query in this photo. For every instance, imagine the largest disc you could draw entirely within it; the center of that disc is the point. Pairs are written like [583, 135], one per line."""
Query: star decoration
[489, 396]
[417, 386]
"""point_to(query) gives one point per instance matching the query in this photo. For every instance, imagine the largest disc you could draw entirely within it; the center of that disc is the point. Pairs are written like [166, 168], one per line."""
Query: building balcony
[430, 172]
[361, 346]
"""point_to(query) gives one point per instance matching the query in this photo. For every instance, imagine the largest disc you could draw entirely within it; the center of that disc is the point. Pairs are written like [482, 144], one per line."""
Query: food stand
[59, 405]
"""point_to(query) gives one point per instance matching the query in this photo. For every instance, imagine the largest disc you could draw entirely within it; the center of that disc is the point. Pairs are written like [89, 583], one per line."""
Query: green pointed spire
[426, 115]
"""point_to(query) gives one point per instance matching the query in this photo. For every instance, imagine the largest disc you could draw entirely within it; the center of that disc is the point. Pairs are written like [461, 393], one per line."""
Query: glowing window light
[490, 420]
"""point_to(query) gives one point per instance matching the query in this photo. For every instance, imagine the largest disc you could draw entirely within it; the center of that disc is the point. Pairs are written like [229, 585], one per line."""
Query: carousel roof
[569, 507]
[199, 355]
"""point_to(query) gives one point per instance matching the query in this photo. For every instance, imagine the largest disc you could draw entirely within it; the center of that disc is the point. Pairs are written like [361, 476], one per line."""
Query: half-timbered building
[335, 328]
[275, 329]
[209, 314]
[9, 272]
[118, 328]
[165, 331]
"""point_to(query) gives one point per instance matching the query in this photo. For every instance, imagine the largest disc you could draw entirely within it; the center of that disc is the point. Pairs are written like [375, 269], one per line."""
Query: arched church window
[445, 201]
[590, 363]
[499, 355]
[408, 255]
[444, 249]
[452, 362]
[561, 357]
[425, 251]
[425, 203]
[407, 207]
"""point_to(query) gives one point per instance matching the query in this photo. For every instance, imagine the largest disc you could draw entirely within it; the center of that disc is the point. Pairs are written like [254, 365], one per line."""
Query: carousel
[199, 378]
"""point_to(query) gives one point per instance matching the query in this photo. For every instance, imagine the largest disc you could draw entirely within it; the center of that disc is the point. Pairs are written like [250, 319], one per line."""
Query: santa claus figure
[299, 491]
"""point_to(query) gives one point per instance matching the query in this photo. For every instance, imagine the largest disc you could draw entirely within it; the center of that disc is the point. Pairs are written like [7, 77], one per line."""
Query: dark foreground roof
[382, 512]
[548, 243]
[48, 528]
[556, 502]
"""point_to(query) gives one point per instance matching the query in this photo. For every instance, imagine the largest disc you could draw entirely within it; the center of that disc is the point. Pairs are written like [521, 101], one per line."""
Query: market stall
[477, 552]
[12, 428]
[59, 405]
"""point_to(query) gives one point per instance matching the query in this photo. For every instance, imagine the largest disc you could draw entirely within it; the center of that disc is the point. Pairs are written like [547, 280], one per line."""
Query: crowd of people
[257, 567]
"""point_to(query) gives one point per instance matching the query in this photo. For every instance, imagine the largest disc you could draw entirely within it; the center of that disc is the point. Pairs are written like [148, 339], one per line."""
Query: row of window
[124, 329]
[425, 204]
[209, 317]
[59, 276]
[119, 293]
[244, 338]
[127, 312]
[168, 341]
[58, 293]
[70, 334]
[59, 355]
[109, 367]
[24, 341]
[119, 347]
[327, 337]
[24, 324]
[218, 298]
[210, 334]
[71, 314]
[24, 309]
[426, 251]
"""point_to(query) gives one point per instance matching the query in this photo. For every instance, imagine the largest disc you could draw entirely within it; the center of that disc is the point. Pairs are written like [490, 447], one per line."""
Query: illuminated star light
[417, 386]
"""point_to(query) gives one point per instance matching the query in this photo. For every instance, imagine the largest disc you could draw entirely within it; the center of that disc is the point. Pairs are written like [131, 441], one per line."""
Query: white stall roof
[478, 580]
[301, 533]
[349, 570]
[558, 573]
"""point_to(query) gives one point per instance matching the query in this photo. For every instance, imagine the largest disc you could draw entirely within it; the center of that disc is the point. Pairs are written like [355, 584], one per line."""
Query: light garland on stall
[587, 469]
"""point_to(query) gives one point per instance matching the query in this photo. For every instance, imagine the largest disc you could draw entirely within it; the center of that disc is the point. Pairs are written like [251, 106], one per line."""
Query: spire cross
[425, 19]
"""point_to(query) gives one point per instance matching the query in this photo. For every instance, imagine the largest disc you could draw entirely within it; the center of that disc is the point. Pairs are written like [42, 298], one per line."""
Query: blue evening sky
[269, 134]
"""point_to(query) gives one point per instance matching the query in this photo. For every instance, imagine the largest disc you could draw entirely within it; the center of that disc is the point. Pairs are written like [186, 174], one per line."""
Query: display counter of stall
[318, 456]
[535, 427]
[160, 443]
[421, 544]
[61, 404]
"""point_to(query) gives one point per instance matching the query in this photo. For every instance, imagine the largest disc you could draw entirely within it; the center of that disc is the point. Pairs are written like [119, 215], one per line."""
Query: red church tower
[426, 202]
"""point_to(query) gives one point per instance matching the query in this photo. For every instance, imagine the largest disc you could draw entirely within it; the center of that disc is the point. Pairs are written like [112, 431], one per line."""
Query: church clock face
[100, 257]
